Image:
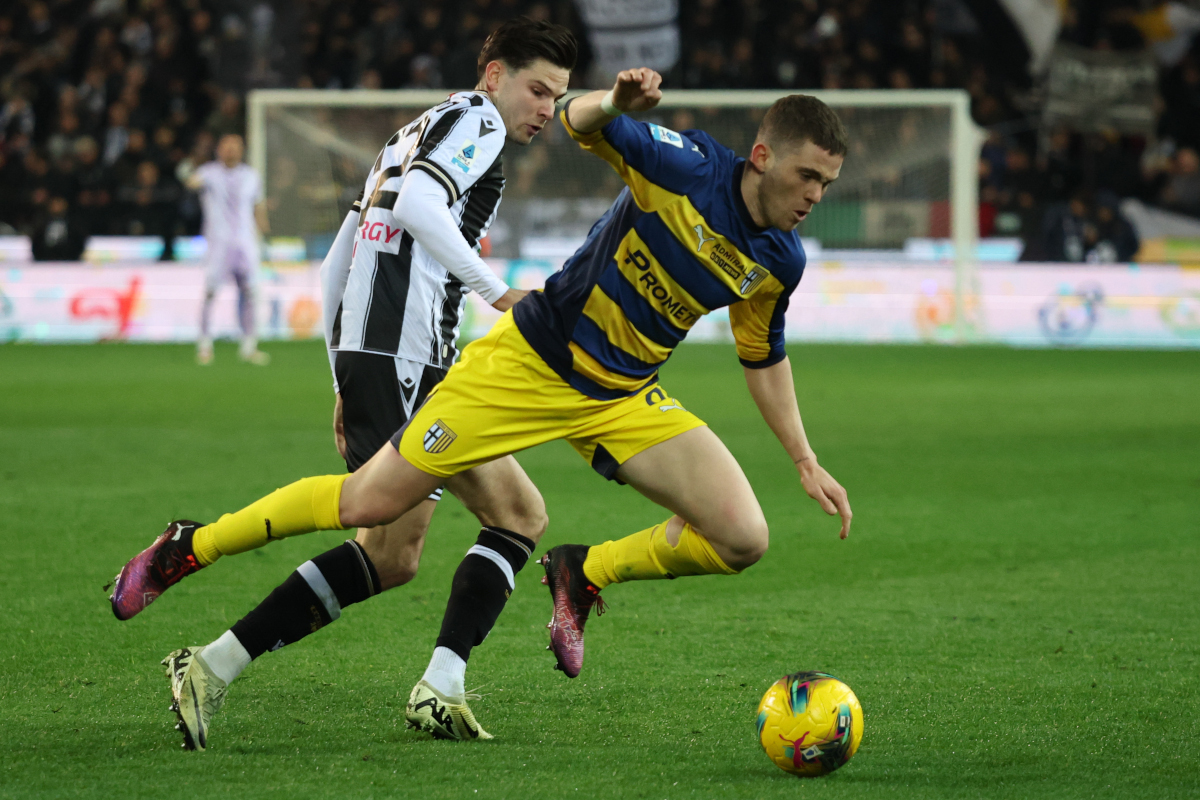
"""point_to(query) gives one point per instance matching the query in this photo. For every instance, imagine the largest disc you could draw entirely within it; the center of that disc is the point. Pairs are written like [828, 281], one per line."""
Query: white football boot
[442, 717]
[248, 351]
[204, 352]
[197, 692]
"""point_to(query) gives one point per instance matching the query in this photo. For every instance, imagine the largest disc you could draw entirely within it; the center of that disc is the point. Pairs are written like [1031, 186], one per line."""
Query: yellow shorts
[501, 397]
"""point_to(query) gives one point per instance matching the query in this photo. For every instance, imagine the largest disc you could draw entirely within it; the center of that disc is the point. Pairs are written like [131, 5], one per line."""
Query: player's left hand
[637, 89]
[509, 299]
[339, 430]
[821, 487]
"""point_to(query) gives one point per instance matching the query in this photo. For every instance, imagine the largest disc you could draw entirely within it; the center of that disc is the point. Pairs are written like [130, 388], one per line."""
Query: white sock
[446, 672]
[226, 657]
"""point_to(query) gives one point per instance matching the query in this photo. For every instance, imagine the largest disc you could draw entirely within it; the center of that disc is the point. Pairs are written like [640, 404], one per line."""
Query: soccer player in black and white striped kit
[394, 284]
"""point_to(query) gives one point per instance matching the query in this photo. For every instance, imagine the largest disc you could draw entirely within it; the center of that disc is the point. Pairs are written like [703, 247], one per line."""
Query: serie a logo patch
[465, 156]
[438, 437]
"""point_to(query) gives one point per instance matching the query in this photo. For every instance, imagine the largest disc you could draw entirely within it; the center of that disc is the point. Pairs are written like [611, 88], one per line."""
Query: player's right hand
[830, 494]
[637, 90]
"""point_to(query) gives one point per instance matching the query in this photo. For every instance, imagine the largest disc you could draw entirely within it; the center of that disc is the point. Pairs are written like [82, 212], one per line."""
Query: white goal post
[912, 168]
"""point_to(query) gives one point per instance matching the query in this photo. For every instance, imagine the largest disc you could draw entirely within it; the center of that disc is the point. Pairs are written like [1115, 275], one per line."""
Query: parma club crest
[439, 437]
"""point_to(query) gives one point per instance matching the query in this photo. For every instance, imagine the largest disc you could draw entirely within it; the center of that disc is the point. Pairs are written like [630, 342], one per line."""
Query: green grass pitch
[1018, 606]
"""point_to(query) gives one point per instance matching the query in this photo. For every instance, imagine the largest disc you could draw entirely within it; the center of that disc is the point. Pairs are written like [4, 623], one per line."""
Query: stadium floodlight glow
[912, 171]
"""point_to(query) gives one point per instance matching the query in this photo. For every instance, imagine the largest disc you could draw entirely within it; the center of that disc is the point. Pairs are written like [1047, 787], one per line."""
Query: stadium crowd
[100, 100]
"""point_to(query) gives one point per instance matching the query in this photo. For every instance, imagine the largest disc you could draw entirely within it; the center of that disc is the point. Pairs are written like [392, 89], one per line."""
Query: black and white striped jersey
[399, 300]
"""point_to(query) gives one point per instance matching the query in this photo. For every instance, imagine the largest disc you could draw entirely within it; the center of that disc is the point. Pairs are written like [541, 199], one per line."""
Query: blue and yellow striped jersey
[676, 244]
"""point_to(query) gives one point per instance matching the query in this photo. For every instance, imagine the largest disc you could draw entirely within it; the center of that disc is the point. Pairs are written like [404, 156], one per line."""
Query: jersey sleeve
[757, 323]
[204, 175]
[460, 147]
[256, 186]
[656, 163]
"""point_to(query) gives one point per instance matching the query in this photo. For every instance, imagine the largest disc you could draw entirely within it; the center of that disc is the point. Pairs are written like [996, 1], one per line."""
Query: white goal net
[910, 173]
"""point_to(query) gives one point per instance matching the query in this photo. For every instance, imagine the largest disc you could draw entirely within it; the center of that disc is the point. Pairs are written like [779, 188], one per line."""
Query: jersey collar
[739, 202]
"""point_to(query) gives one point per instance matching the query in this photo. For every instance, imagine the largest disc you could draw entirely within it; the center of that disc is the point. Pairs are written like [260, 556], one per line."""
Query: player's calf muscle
[395, 549]
[396, 565]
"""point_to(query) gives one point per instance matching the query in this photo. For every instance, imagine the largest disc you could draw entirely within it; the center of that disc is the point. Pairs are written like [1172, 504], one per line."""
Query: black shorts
[379, 394]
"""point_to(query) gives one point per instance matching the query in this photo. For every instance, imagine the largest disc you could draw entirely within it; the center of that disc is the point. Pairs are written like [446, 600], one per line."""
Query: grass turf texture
[1016, 607]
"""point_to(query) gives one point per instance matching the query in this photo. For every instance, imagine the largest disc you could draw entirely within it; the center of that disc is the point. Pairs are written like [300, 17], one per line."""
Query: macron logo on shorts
[438, 437]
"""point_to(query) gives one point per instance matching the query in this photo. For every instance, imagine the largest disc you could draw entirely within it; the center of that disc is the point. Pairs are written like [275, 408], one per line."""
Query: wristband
[606, 105]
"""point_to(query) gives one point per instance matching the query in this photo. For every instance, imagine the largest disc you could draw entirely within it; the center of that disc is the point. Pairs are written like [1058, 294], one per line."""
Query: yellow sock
[646, 556]
[309, 504]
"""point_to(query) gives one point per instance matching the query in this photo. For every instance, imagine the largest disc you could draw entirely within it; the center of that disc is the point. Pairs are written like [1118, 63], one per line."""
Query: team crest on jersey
[753, 278]
[439, 437]
[465, 156]
[666, 135]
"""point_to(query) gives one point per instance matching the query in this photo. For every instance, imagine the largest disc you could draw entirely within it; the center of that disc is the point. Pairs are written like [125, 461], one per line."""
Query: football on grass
[809, 723]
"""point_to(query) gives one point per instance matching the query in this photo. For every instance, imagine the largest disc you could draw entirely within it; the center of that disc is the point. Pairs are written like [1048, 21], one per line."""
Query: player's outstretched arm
[775, 395]
[634, 90]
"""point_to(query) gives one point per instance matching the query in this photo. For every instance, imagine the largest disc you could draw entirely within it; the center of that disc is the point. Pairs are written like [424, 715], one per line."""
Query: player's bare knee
[531, 520]
[749, 546]
[395, 572]
[525, 514]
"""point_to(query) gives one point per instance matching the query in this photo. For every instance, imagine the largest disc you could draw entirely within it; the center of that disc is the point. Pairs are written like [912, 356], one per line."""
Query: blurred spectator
[1059, 168]
[1111, 238]
[164, 150]
[1182, 189]
[149, 206]
[62, 141]
[1081, 230]
[93, 203]
[124, 169]
[116, 136]
[12, 178]
[92, 100]
[16, 118]
[227, 118]
[35, 189]
[58, 237]
[1113, 164]
[1064, 236]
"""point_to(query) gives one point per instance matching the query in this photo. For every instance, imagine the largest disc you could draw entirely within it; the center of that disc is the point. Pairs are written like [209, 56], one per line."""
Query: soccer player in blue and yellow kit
[696, 229]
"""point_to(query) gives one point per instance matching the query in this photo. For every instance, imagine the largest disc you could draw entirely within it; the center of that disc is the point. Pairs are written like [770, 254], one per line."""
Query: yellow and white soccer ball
[809, 723]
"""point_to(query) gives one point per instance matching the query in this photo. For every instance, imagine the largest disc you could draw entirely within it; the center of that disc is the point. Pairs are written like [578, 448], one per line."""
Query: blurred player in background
[394, 285]
[231, 198]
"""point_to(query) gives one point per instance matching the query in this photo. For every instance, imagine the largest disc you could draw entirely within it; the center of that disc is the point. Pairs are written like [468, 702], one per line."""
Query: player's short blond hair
[800, 118]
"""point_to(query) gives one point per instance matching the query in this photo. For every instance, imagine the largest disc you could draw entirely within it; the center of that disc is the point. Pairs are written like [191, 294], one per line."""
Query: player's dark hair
[521, 41]
[800, 118]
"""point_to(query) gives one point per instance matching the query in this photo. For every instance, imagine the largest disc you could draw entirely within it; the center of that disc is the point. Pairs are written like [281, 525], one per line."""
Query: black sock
[481, 588]
[312, 597]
